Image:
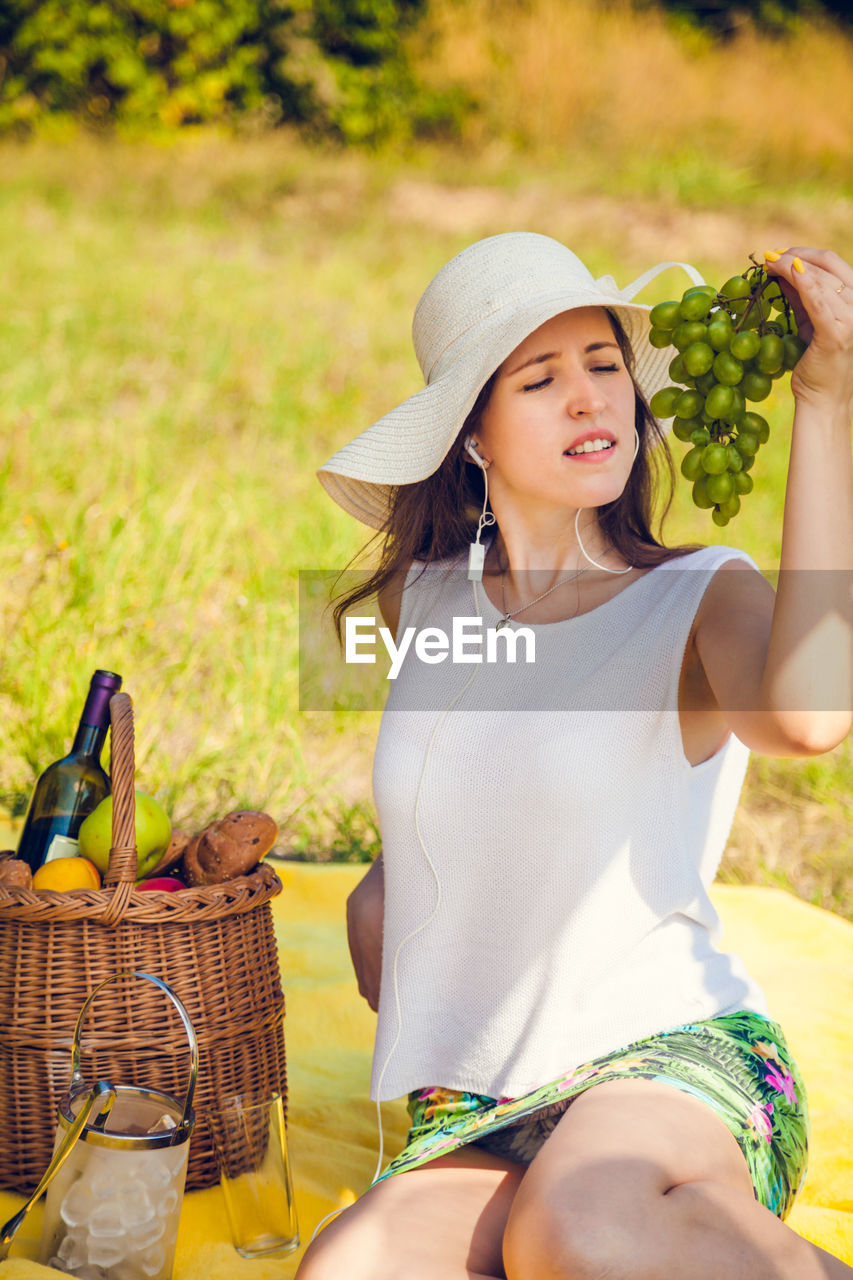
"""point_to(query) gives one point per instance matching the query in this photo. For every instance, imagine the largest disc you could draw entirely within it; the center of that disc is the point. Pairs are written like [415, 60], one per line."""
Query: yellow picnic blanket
[802, 956]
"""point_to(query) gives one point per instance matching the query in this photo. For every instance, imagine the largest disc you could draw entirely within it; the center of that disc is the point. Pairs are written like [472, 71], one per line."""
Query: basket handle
[121, 872]
[76, 1073]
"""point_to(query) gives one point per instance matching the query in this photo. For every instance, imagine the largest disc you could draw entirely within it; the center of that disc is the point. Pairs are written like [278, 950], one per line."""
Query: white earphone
[471, 448]
[477, 552]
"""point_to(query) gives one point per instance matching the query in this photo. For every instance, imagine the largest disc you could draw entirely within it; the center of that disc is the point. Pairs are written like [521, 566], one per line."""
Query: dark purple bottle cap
[97, 709]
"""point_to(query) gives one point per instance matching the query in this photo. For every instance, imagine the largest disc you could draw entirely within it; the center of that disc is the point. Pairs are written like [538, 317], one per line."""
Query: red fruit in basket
[169, 884]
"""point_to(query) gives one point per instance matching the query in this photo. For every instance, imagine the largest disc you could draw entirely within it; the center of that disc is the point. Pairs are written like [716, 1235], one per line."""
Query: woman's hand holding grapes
[788, 660]
[793, 313]
[819, 286]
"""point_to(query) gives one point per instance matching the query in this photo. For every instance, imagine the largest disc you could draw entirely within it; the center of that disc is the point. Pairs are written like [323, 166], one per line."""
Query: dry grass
[575, 78]
[793, 830]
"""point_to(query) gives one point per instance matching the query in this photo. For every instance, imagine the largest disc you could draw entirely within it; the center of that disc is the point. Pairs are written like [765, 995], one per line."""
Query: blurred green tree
[337, 66]
[724, 18]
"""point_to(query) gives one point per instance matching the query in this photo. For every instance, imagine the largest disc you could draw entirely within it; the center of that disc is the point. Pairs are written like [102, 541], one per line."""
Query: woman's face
[565, 384]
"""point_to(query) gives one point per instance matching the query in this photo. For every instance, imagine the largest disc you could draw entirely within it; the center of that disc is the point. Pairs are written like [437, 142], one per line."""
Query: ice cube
[128, 1270]
[56, 1264]
[106, 1251]
[152, 1260]
[102, 1185]
[154, 1172]
[146, 1235]
[135, 1208]
[168, 1202]
[68, 1247]
[105, 1219]
[165, 1122]
[102, 1181]
[72, 1249]
[77, 1205]
[91, 1273]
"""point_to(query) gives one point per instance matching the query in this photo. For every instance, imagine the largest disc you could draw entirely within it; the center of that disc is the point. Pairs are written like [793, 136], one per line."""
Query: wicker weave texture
[214, 946]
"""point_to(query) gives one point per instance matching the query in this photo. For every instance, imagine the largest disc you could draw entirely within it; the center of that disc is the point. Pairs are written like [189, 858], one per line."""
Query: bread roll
[192, 872]
[230, 847]
[15, 874]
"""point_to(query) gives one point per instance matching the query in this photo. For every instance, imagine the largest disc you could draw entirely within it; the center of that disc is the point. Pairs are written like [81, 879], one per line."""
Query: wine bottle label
[62, 847]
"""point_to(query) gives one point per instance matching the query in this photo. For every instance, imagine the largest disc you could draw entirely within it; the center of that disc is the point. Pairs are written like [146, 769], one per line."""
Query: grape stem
[757, 287]
[743, 319]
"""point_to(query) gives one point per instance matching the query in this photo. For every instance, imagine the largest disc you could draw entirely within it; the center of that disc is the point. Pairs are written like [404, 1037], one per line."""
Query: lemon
[62, 874]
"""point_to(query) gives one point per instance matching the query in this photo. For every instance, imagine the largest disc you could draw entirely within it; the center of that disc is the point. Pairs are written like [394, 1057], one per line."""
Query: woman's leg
[443, 1221]
[642, 1182]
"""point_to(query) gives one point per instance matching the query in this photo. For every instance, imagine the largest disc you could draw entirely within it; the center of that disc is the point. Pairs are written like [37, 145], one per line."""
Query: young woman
[596, 1089]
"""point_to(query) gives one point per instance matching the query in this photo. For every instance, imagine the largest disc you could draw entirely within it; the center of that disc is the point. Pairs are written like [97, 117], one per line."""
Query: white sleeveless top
[566, 911]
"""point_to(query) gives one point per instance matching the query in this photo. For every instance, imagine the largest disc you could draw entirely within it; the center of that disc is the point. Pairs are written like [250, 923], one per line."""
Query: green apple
[153, 832]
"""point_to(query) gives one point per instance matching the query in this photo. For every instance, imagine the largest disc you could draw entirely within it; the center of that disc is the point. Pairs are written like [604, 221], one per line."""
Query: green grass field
[189, 328]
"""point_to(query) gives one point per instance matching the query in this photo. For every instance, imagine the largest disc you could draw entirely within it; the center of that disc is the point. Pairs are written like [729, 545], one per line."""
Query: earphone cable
[423, 925]
[395, 980]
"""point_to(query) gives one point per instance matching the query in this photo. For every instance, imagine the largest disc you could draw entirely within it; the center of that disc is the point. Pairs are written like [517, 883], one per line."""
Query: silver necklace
[508, 617]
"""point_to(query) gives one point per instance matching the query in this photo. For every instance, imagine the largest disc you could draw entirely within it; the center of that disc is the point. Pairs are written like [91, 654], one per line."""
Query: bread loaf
[229, 847]
[192, 872]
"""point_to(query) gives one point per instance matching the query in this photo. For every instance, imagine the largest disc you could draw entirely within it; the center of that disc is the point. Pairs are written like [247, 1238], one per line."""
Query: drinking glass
[250, 1139]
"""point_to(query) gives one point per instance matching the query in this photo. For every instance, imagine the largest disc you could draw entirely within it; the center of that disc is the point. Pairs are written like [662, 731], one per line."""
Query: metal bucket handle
[77, 1082]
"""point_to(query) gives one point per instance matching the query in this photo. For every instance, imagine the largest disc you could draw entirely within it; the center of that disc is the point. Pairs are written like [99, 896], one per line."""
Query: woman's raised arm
[782, 669]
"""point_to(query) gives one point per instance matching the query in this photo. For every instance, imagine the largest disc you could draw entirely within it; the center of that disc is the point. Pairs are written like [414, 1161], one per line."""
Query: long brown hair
[437, 517]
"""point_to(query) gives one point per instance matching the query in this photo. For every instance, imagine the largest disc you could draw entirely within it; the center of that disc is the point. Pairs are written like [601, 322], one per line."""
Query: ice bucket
[113, 1206]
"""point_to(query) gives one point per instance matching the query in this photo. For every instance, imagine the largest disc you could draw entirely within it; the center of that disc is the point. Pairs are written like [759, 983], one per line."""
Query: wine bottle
[70, 788]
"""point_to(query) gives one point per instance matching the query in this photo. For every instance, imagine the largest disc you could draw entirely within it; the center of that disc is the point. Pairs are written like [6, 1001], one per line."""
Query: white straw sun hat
[472, 315]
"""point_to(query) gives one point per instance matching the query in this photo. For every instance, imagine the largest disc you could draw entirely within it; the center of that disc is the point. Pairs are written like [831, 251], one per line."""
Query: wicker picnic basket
[213, 945]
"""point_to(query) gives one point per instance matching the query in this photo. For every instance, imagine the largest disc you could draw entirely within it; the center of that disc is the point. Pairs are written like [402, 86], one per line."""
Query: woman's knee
[348, 1246]
[439, 1223]
[533, 1243]
[567, 1232]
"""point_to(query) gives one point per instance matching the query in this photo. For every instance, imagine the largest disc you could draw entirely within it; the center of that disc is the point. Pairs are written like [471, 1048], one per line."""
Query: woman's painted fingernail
[771, 255]
[798, 266]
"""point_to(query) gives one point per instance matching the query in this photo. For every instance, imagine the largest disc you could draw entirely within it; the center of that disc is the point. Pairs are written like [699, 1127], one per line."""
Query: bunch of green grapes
[732, 345]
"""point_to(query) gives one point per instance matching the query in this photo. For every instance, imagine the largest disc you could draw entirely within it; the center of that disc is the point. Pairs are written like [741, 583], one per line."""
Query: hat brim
[409, 443]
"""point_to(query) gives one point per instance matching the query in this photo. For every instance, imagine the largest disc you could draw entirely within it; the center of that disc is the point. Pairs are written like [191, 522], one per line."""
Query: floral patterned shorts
[739, 1064]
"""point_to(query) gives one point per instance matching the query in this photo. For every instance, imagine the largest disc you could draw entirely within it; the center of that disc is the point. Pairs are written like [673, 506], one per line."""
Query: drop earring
[476, 550]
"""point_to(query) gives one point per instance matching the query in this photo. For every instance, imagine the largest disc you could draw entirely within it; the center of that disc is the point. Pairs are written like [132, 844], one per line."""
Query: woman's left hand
[821, 295]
